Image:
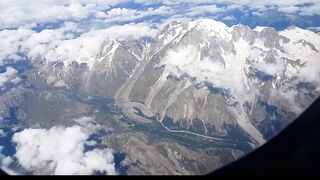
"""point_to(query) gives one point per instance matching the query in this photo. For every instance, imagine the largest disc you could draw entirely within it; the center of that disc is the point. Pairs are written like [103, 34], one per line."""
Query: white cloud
[205, 9]
[23, 14]
[40, 43]
[10, 41]
[312, 10]
[317, 28]
[121, 12]
[82, 49]
[257, 7]
[2, 133]
[88, 123]
[130, 31]
[124, 14]
[62, 44]
[284, 6]
[187, 60]
[60, 150]
[181, 57]
[9, 76]
[229, 18]
[287, 97]
[14, 14]
[21, 43]
[289, 9]
[26, 13]
[16, 44]
[260, 7]
[87, 47]
[5, 161]
[270, 69]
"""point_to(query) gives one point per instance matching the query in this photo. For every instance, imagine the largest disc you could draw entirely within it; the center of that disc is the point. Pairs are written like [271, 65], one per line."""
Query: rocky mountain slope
[199, 78]
[206, 77]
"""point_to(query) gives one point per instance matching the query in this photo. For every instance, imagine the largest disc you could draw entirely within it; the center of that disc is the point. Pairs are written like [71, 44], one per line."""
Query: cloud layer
[26, 13]
[9, 76]
[60, 150]
[31, 13]
[64, 43]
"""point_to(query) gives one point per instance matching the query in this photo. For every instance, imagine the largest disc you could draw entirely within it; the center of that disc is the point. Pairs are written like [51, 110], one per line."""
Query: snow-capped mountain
[204, 76]
[201, 76]
[232, 85]
[99, 74]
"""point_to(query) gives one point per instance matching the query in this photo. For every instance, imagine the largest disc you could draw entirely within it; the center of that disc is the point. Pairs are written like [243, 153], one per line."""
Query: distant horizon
[96, 14]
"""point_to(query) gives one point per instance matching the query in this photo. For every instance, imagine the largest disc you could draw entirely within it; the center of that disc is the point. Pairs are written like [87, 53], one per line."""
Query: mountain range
[235, 86]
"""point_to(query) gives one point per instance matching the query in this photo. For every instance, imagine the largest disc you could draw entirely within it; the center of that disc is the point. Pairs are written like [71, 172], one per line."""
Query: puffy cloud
[300, 7]
[289, 9]
[130, 31]
[270, 69]
[9, 76]
[61, 150]
[84, 48]
[311, 10]
[124, 14]
[263, 5]
[121, 12]
[317, 28]
[19, 43]
[23, 12]
[63, 44]
[229, 18]
[2, 133]
[10, 41]
[38, 44]
[15, 16]
[105, 13]
[5, 161]
[87, 47]
[187, 60]
[205, 9]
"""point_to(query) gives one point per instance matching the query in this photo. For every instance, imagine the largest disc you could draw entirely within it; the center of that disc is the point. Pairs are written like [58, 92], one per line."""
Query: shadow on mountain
[294, 151]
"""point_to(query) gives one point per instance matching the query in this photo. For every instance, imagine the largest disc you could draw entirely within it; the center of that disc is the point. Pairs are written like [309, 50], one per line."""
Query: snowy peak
[258, 56]
[247, 71]
[259, 28]
[108, 48]
[174, 31]
[85, 50]
[170, 33]
[209, 25]
[302, 35]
